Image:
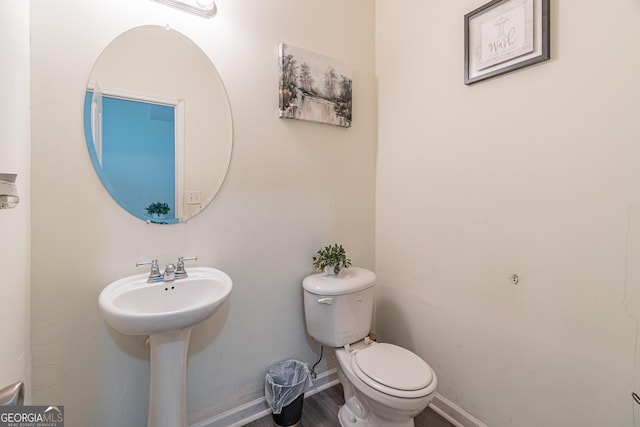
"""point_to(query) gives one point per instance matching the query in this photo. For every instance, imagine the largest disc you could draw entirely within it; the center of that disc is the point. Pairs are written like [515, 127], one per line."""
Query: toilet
[384, 385]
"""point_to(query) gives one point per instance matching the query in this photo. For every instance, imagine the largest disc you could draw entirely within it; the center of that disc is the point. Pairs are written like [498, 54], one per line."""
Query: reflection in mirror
[158, 125]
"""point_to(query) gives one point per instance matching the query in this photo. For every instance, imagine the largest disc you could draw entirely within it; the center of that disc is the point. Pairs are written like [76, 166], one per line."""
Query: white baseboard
[453, 413]
[258, 408]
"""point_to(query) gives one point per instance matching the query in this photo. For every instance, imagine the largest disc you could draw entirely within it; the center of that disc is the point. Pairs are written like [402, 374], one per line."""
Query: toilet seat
[393, 370]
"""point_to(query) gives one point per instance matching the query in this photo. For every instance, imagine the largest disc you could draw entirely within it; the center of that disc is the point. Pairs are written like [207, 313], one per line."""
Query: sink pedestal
[168, 388]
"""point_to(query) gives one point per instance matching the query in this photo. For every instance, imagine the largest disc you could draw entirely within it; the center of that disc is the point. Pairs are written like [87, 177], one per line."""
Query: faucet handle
[155, 270]
[180, 271]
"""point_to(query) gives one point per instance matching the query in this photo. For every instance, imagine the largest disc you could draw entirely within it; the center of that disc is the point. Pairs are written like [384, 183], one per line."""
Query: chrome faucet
[169, 274]
[171, 271]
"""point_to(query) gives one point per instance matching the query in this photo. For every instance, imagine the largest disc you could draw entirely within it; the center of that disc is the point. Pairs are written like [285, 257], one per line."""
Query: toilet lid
[394, 367]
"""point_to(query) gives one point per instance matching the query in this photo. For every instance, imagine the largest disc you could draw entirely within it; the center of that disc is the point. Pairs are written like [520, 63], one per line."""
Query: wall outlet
[193, 197]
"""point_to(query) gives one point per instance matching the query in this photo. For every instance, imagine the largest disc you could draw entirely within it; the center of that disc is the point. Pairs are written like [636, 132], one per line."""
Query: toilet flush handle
[327, 301]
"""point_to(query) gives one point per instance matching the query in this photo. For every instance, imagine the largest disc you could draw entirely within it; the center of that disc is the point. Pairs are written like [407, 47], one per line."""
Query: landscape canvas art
[314, 87]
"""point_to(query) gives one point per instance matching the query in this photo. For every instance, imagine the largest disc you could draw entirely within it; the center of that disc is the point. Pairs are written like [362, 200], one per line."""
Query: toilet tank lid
[349, 280]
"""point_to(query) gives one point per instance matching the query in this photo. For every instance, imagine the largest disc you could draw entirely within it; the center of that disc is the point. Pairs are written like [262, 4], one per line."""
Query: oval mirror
[158, 124]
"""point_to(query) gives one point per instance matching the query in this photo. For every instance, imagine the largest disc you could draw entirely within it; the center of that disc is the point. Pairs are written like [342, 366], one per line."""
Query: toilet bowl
[384, 385]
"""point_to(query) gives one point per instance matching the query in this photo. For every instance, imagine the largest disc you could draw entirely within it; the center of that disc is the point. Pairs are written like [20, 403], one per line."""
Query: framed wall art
[314, 87]
[505, 35]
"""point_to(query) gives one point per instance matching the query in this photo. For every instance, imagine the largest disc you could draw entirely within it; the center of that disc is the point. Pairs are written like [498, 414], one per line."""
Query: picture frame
[505, 35]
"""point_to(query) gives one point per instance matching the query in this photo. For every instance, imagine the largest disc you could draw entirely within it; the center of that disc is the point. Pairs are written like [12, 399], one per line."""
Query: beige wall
[14, 223]
[532, 173]
[535, 173]
[292, 187]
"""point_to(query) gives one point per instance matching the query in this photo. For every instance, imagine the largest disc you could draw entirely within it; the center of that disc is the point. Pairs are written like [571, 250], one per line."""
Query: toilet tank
[338, 308]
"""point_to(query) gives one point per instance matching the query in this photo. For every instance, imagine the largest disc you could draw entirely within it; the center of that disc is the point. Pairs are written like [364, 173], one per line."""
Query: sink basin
[165, 311]
[134, 307]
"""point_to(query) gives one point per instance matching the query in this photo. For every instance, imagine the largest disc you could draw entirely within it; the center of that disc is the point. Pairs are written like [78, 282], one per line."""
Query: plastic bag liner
[284, 382]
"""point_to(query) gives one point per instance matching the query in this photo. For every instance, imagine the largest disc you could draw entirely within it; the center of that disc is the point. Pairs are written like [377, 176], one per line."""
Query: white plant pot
[328, 270]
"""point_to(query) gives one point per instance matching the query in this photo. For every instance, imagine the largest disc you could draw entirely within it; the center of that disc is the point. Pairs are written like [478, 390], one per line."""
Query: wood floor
[321, 410]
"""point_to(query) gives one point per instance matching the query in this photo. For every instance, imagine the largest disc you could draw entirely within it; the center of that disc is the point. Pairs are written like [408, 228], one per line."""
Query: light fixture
[204, 8]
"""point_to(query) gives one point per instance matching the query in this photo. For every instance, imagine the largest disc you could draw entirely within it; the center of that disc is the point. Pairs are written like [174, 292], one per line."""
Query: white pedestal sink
[166, 311]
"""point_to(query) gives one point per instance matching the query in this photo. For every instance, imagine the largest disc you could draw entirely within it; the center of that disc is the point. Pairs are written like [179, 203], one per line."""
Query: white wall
[14, 223]
[535, 173]
[292, 187]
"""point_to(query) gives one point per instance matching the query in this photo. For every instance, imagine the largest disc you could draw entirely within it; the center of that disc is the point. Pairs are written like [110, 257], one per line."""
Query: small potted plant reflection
[331, 259]
[158, 210]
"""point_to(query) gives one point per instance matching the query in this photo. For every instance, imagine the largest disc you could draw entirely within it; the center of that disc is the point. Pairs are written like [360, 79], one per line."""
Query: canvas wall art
[314, 87]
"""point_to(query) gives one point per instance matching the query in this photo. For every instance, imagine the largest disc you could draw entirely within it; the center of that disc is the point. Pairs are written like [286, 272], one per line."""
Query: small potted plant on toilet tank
[331, 259]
